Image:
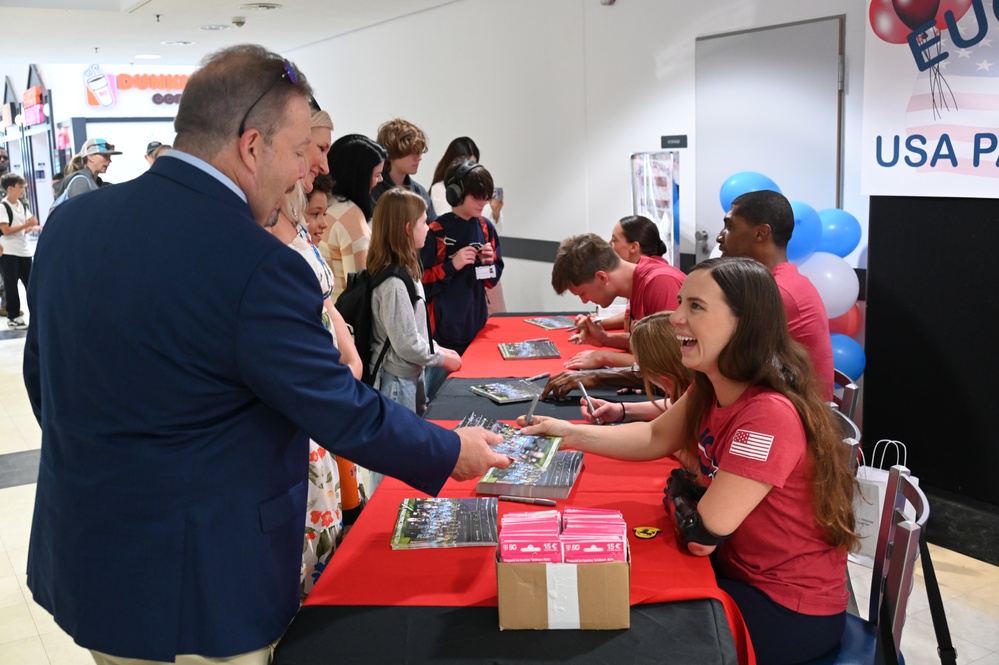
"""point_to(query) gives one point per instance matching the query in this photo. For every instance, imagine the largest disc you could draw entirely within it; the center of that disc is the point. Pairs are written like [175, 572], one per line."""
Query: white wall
[558, 93]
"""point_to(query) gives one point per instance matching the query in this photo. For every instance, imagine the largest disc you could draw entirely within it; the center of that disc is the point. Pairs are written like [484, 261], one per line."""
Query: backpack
[10, 212]
[64, 192]
[354, 305]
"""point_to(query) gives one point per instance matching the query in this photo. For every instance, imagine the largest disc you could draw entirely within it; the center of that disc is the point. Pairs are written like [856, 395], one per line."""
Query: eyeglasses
[289, 72]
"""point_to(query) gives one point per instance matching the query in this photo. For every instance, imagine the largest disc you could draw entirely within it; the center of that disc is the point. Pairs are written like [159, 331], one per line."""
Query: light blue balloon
[840, 232]
[807, 232]
[740, 183]
[848, 356]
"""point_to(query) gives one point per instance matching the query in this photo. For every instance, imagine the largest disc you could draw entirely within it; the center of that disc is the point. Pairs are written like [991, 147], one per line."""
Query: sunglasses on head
[289, 72]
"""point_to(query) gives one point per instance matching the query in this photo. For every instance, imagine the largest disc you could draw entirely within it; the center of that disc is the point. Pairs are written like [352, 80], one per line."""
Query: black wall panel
[932, 339]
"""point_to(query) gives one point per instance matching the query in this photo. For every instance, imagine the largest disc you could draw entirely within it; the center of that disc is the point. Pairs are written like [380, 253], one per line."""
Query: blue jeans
[402, 391]
[399, 389]
[435, 378]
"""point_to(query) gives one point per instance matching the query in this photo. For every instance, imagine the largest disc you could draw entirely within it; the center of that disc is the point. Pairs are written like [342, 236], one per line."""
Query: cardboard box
[551, 596]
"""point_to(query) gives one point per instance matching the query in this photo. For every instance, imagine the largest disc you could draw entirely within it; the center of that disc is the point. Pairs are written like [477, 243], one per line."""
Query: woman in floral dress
[324, 514]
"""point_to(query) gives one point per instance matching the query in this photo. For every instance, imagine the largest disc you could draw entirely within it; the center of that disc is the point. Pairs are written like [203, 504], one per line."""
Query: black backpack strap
[381, 357]
[389, 271]
[10, 212]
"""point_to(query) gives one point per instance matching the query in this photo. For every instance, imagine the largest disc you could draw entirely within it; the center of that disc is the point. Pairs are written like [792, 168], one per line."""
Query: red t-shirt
[779, 548]
[806, 319]
[654, 287]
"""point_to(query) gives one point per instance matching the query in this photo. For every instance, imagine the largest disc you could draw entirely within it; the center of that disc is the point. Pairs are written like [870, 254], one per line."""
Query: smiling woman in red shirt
[770, 494]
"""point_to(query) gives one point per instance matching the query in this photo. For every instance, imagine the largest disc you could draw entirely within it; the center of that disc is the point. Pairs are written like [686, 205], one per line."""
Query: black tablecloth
[693, 631]
[455, 401]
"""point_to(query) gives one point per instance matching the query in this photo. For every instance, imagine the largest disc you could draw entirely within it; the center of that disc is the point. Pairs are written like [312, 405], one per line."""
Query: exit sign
[675, 141]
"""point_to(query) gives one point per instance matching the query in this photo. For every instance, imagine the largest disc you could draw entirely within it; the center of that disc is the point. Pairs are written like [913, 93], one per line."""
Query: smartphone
[498, 194]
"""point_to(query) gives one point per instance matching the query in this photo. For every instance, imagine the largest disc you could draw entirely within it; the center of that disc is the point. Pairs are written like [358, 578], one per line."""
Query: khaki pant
[258, 657]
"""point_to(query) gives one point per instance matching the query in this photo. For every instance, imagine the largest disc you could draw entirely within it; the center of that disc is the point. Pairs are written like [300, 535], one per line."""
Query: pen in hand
[589, 402]
[530, 413]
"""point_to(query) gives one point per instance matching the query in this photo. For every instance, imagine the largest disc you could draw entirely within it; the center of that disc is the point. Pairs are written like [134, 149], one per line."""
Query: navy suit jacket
[177, 364]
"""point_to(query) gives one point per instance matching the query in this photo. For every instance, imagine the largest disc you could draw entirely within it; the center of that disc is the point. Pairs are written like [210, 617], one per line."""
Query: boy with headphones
[461, 259]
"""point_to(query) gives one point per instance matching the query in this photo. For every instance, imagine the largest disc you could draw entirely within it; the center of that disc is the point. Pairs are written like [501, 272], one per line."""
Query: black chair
[847, 398]
[876, 639]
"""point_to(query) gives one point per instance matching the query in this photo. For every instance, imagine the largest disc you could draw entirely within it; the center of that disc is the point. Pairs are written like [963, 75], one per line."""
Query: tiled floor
[29, 636]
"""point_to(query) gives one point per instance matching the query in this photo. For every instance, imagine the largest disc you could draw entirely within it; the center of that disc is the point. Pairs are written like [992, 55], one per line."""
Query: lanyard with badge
[482, 271]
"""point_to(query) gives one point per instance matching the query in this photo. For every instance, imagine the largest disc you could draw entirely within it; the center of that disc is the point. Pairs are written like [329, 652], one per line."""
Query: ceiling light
[260, 6]
[146, 56]
[215, 27]
[177, 42]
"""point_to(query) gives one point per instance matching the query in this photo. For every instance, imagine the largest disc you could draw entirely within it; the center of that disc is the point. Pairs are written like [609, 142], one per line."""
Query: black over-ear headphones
[454, 189]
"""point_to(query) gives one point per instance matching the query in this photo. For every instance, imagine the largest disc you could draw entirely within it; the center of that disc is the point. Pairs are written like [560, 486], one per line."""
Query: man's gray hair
[218, 95]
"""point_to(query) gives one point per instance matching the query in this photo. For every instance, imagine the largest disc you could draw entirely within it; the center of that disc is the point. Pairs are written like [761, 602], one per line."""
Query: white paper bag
[870, 500]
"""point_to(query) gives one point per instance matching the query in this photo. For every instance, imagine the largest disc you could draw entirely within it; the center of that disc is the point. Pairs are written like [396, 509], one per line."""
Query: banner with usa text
[931, 98]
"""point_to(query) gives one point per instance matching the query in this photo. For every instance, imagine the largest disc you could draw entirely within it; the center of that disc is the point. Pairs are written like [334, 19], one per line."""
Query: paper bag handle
[901, 452]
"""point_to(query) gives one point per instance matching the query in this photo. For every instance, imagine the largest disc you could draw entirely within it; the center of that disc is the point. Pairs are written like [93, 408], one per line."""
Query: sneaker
[17, 324]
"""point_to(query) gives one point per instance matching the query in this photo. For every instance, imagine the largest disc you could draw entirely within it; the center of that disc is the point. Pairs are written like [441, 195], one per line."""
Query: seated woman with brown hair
[771, 495]
[657, 352]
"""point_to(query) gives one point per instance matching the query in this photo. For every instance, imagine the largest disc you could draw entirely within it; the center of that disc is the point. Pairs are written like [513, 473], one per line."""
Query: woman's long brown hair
[762, 353]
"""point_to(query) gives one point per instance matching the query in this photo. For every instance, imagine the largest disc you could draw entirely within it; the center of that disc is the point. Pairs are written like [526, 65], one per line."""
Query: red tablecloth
[366, 571]
[483, 359]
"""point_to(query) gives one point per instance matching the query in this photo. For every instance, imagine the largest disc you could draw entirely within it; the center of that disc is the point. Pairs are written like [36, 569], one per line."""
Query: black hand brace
[682, 495]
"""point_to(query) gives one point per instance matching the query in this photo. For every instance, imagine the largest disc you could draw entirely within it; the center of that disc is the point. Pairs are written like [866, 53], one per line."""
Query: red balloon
[848, 324]
[916, 13]
[886, 23]
[959, 7]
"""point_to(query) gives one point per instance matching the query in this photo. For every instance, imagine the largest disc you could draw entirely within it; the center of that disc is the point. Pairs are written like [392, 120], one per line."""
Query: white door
[768, 101]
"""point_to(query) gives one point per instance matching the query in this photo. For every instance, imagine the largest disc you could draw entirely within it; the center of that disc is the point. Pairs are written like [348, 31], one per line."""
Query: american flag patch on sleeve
[751, 444]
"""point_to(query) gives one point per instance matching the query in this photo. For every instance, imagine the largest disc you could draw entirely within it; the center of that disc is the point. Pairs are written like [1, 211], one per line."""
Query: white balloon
[834, 279]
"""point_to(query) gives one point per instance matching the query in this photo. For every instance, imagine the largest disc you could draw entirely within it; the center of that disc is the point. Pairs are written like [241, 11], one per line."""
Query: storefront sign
[104, 90]
[931, 98]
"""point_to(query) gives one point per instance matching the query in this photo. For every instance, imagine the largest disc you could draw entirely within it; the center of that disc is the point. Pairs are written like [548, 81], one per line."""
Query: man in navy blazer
[177, 377]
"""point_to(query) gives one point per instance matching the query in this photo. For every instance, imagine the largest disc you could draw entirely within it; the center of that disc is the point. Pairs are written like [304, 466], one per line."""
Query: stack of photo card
[531, 537]
[508, 392]
[529, 453]
[579, 535]
[531, 348]
[553, 322]
[593, 535]
[426, 523]
[553, 482]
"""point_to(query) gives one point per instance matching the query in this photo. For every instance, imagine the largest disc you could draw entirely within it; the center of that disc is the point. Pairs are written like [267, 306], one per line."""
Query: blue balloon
[848, 356]
[840, 232]
[738, 184]
[807, 232]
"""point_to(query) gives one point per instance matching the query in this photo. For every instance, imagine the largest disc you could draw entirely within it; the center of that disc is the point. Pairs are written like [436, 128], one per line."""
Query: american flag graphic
[965, 95]
[753, 445]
